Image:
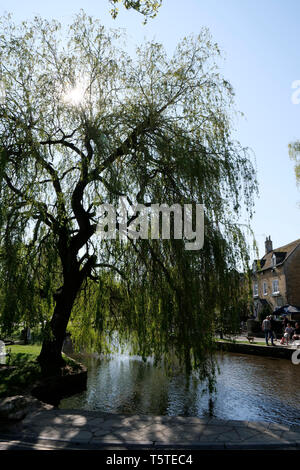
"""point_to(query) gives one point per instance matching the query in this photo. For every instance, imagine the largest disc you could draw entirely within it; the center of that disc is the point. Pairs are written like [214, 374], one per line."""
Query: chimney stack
[268, 245]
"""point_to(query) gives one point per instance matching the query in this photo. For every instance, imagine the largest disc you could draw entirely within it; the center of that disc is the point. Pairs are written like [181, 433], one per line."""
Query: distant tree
[294, 152]
[148, 8]
[82, 124]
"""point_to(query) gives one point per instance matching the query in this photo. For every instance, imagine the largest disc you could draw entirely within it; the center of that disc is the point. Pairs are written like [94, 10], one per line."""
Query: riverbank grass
[32, 350]
[229, 340]
[22, 370]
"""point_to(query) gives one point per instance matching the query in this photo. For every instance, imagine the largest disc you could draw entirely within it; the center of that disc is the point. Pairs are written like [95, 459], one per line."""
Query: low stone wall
[17, 407]
[267, 351]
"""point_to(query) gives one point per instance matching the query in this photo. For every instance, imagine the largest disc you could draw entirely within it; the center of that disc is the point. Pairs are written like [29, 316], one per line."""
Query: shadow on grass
[23, 375]
[20, 372]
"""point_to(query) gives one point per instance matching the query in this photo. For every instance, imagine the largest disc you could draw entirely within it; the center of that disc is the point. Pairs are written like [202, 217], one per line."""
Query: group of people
[289, 333]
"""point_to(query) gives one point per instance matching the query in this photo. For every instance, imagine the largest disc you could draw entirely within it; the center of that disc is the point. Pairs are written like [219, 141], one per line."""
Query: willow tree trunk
[50, 357]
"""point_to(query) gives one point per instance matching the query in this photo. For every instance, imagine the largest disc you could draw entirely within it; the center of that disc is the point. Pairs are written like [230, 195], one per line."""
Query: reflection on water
[248, 388]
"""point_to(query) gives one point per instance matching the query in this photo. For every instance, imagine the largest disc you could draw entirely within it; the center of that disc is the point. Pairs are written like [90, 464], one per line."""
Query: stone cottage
[276, 277]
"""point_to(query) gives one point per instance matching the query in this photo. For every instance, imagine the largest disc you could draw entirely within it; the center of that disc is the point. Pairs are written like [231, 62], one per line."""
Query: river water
[248, 388]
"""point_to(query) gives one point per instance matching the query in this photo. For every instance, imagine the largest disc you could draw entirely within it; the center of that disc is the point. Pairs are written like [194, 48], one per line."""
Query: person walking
[273, 333]
[266, 327]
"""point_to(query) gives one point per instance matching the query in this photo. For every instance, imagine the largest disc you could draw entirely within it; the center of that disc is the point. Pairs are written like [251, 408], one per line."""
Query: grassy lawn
[24, 370]
[32, 350]
[259, 343]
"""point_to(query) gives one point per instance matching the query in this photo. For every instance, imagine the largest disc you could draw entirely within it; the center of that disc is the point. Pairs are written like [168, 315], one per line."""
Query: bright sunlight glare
[75, 95]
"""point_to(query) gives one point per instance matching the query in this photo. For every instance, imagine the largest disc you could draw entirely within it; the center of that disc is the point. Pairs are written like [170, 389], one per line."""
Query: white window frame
[255, 289]
[274, 292]
[274, 261]
[265, 288]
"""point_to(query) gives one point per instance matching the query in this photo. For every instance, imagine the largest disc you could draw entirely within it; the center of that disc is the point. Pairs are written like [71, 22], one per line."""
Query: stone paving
[78, 429]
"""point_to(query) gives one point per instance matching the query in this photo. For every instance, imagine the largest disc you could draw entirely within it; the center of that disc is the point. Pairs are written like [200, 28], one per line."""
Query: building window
[265, 288]
[274, 261]
[255, 289]
[275, 286]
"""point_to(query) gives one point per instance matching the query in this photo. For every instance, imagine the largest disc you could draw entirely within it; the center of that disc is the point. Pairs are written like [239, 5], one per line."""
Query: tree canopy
[148, 8]
[294, 152]
[83, 124]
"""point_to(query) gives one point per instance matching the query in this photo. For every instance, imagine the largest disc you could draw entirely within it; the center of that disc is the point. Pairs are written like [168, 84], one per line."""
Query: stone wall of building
[267, 276]
[292, 272]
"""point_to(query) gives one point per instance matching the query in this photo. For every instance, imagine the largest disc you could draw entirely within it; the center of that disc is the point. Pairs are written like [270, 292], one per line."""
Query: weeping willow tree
[83, 124]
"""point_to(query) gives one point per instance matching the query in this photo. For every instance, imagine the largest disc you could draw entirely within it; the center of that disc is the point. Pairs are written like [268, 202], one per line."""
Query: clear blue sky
[260, 41]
